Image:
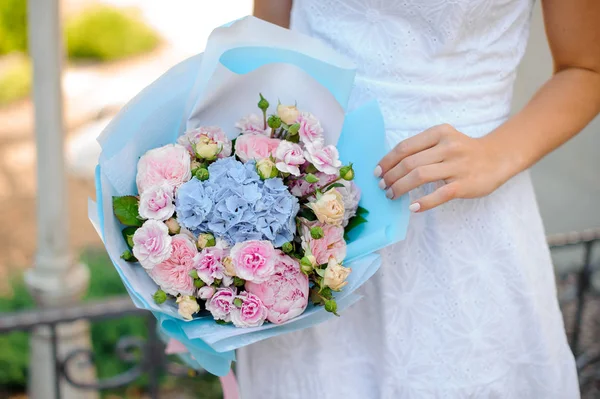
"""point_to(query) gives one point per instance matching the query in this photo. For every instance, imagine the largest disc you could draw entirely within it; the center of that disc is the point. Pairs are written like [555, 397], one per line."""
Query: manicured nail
[414, 207]
[389, 193]
[382, 184]
[377, 172]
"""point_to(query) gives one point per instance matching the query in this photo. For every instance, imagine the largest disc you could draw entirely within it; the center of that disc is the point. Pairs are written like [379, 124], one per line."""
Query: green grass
[105, 282]
[15, 80]
[105, 33]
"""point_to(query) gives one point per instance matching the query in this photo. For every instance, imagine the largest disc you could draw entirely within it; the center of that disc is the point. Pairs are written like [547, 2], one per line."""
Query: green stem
[319, 188]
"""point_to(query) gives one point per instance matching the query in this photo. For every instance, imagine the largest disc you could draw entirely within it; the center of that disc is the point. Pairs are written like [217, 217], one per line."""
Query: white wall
[567, 182]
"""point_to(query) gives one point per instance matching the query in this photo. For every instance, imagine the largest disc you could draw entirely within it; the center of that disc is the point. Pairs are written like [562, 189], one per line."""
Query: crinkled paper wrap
[217, 88]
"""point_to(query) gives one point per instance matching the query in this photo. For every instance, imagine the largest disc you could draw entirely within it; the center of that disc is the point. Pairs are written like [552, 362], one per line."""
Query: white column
[56, 279]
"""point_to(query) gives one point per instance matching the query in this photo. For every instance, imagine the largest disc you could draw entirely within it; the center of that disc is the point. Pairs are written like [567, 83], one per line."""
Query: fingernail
[389, 193]
[382, 184]
[377, 172]
[414, 207]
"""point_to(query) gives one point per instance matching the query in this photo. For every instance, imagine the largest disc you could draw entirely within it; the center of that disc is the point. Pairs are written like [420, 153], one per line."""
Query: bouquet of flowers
[215, 222]
[246, 231]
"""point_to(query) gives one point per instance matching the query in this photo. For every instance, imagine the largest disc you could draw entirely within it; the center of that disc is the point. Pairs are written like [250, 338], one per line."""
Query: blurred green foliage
[105, 282]
[105, 33]
[13, 26]
[15, 81]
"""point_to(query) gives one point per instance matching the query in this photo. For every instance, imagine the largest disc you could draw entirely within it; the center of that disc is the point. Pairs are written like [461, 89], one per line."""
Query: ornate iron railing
[577, 295]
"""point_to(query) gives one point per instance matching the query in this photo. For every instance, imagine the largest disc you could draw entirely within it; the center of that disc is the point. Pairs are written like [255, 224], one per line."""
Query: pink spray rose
[324, 158]
[168, 165]
[220, 304]
[332, 244]
[152, 243]
[250, 313]
[209, 135]
[285, 294]
[255, 146]
[252, 124]
[208, 264]
[172, 275]
[310, 128]
[206, 292]
[289, 157]
[253, 260]
[157, 203]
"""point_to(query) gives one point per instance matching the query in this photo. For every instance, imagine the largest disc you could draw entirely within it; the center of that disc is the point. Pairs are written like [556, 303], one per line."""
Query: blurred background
[113, 49]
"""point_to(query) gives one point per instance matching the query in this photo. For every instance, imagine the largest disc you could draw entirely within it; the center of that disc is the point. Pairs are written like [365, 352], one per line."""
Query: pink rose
[324, 158]
[152, 243]
[300, 187]
[253, 260]
[212, 134]
[206, 292]
[208, 264]
[251, 124]
[351, 196]
[172, 275]
[255, 146]
[285, 294]
[157, 203]
[220, 304]
[168, 165]
[289, 157]
[331, 245]
[310, 128]
[250, 313]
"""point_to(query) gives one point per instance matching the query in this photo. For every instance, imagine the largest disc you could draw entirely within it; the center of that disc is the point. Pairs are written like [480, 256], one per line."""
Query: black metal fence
[579, 299]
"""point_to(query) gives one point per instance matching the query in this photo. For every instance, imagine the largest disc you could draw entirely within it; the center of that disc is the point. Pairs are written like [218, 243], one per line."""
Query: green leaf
[127, 256]
[221, 322]
[326, 293]
[128, 233]
[354, 222]
[334, 185]
[311, 178]
[127, 211]
[362, 211]
[307, 214]
[320, 272]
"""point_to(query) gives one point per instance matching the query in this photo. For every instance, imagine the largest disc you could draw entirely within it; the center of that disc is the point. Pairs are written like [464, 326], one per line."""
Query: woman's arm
[274, 11]
[558, 111]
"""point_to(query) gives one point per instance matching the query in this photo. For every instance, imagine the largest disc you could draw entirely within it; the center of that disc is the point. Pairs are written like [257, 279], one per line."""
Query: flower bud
[347, 172]
[306, 265]
[193, 274]
[237, 302]
[287, 247]
[194, 165]
[293, 129]
[206, 240]
[127, 256]
[238, 282]
[173, 225]
[229, 269]
[187, 306]
[199, 283]
[266, 168]
[316, 232]
[207, 148]
[200, 173]
[311, 178]
[159, 297]
[274, 122]
[263, 104]
[331, 306]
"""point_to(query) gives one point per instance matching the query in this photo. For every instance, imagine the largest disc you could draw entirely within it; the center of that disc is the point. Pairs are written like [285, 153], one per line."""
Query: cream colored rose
[208, 149]
[173, 225]
[229, 269]
[187, 306]
[288, 113]
[329, 208]
[266, 168]
[336, 275]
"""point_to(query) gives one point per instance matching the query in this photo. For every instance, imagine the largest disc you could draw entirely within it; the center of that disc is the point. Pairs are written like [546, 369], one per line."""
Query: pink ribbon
[228, 383]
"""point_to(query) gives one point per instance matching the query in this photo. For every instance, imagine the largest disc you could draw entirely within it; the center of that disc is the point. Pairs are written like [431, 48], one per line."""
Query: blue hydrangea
[236, 205]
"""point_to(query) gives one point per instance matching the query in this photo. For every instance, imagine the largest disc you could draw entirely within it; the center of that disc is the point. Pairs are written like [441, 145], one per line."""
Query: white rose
[329, 208]
[288, 113]
[336, 275]
[156, 203]
[207, 148]
[187, 306]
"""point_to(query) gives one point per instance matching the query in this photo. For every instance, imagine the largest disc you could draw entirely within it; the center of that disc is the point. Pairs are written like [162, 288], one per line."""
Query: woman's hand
[470, 167]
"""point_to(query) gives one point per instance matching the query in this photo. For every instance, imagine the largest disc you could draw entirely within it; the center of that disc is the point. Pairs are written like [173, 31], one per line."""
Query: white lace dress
[466, 306]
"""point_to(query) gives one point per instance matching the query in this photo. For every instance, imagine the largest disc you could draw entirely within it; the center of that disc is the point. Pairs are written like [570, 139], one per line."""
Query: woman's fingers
[430, 156]
[410, 146]
[440, 196]
[417, 177]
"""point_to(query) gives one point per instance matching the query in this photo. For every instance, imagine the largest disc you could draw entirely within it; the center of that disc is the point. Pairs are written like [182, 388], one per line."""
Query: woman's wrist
[510, 156]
